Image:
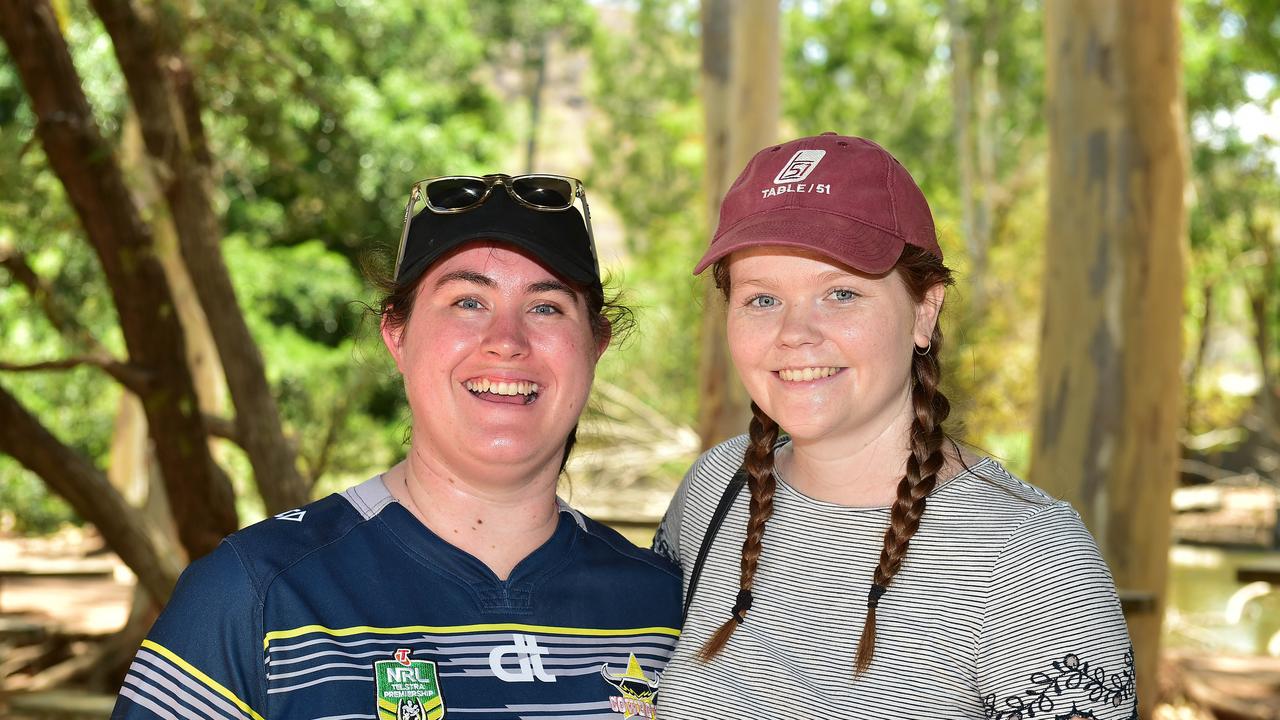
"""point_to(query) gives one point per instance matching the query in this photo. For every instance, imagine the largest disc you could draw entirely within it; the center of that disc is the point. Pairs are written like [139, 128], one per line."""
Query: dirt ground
[92, 605]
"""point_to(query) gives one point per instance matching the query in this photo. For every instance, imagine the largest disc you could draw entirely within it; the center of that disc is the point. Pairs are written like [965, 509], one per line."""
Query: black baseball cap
[559, 239]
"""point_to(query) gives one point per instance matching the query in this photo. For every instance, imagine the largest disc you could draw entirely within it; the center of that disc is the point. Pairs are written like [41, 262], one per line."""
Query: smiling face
[823, 349]
[497, 357]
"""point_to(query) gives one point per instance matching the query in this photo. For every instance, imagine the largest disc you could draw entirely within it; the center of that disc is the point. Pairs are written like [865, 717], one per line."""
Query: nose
[799, 327]
[506, 336]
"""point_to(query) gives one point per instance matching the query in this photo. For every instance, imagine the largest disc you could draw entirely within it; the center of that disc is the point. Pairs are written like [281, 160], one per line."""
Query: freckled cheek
[748, 342]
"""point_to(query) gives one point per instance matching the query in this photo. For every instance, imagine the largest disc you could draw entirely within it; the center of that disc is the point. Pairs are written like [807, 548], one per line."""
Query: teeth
[502, 387]
[807, 374]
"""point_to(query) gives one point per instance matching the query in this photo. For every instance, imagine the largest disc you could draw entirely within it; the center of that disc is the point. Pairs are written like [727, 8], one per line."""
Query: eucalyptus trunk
[741, 65]
[1110, 389]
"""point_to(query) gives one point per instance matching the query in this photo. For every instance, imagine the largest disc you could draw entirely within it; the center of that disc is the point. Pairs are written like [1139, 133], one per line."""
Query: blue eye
[468, 304]
[762, 301]
[843, 295]
[545, 309]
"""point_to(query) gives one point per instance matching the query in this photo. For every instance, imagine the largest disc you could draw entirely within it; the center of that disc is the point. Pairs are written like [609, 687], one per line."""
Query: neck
[860, 469]
[499, 521]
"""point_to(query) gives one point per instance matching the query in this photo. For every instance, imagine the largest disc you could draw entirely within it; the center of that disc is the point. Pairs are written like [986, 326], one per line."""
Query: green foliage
[323, 114]
[648, 165]
[877, 70]
[1232, 76]
[319, 116]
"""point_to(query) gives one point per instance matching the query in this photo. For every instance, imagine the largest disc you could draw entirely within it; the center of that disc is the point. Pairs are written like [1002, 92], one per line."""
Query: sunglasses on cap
[452, 194]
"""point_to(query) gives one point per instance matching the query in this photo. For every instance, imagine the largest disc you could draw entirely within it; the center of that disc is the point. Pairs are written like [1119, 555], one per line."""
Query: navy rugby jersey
[350, 608]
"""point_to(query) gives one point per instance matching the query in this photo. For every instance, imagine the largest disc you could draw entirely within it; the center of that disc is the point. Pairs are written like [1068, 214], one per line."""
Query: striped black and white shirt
[1003, 608]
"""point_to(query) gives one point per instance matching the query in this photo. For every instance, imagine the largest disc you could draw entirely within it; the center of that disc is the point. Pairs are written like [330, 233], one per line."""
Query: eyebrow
[467, 276]
[475, 278]
[551, 286]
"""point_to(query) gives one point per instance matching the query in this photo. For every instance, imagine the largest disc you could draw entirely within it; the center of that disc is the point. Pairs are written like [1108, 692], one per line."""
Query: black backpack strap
[731, 491]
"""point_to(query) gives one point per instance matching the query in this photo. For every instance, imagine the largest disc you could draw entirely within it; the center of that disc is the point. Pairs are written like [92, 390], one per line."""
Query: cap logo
[799, 166]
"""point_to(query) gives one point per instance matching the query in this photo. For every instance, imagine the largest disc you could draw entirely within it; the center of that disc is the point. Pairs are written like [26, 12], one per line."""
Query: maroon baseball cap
[844, 197]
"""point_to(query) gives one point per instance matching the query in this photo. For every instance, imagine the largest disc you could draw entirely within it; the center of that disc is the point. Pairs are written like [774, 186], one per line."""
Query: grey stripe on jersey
[171, 686]
[1003, 608]
[325, 660]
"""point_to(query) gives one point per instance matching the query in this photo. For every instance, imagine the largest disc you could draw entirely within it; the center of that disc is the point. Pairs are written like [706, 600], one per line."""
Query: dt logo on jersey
[407, 689]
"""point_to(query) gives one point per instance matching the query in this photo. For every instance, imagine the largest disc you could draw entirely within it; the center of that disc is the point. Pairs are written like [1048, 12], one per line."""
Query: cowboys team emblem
[407, 689]
[637, 690]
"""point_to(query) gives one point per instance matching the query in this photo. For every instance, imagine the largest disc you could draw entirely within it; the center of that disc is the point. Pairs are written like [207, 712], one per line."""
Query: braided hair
[919, 271]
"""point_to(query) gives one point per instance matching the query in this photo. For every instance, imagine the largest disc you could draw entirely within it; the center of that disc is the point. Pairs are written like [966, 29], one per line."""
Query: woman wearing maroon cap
[1002, 607]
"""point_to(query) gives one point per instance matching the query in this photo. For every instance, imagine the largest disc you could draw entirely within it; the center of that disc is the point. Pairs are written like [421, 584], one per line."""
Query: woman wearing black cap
[872, 569]
[455, 583]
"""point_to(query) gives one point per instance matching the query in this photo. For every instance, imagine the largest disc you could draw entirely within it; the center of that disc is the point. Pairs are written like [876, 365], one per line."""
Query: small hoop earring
[926, 350]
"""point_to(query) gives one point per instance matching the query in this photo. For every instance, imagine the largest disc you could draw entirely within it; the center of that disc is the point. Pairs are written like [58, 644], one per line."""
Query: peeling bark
[1113, 288]
[167, 105]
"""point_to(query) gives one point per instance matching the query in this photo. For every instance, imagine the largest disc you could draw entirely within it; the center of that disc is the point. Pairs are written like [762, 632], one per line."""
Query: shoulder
[986, 489]
[986, 474]
[271, 546]
[1034, 516]
[713, 470]
[610, 546]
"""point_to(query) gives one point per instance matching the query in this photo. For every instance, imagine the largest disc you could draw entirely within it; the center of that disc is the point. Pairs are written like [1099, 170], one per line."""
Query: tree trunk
[202, 498]
[741, 64]
[125, 529]
[960, 46]
[1106, 433]
[1202, 348]
[536, 83]
[164, 96]
[202, 353]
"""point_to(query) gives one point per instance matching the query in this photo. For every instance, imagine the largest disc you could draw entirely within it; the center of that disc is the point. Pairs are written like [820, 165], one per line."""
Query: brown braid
[919, 272]
[760, 480]
[923, 465]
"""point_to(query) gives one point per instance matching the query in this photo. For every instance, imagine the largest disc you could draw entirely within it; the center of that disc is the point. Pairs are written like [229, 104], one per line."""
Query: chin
[514, 448]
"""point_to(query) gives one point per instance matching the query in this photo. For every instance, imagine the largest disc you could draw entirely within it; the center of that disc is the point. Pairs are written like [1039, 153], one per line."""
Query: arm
[666, 541]
[203, 658]
[1054, 642]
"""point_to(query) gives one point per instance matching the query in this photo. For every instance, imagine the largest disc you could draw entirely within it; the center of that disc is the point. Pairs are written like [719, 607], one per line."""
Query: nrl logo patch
[637, 691]
[407, 689]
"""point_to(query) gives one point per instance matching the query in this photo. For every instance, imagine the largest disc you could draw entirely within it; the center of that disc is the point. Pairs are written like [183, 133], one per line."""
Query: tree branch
[224, 428]
[69, 474]
[132, 377]
[164, 97]
[62, 319]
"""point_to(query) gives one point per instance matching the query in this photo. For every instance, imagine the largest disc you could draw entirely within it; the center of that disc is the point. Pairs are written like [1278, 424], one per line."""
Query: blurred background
[194, 195]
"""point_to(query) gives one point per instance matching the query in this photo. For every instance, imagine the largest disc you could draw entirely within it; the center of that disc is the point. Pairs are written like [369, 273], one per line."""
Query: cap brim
[843, 239]
[537, 250]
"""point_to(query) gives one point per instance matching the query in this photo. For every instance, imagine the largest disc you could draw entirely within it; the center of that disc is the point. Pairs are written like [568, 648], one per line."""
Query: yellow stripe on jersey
[447, 629]
[209, 682]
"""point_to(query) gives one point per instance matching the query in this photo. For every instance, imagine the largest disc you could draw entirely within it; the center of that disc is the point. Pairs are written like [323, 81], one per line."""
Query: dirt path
[94, 604]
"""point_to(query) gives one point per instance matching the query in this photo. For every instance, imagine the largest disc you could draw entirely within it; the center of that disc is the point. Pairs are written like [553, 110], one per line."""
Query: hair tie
[873, 597]
[742, 605]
